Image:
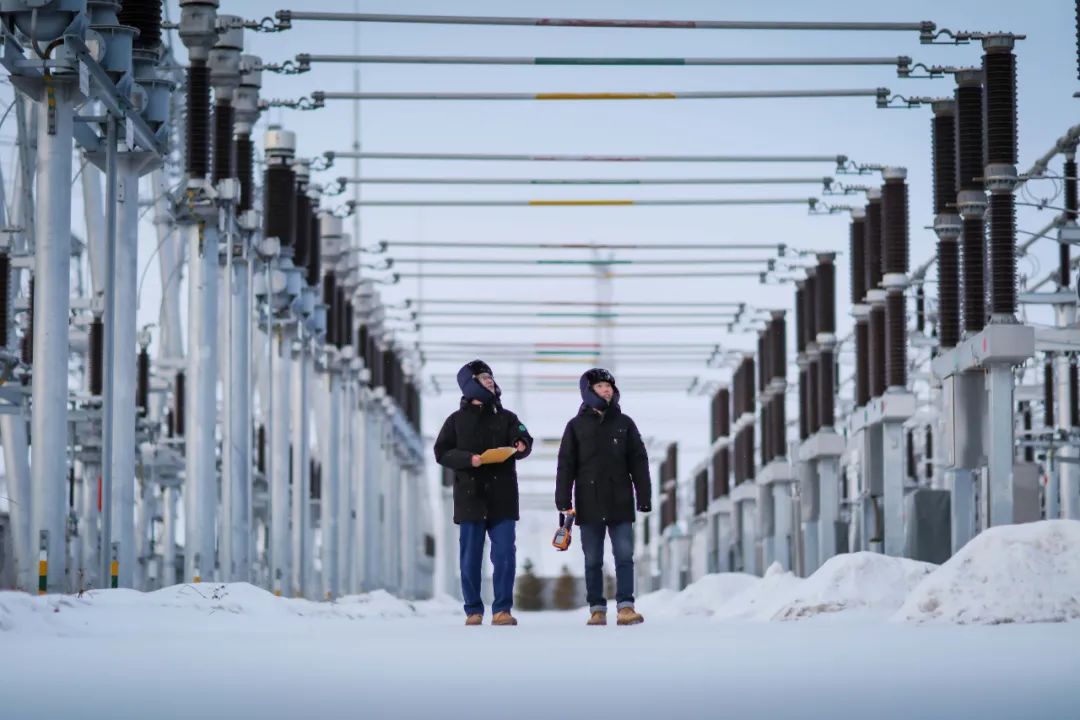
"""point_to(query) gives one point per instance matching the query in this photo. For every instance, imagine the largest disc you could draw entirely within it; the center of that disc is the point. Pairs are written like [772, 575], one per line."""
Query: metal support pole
[280, 377]
[170, 259]
[52, 287]
[17, 477]
[828, 507]
[961, 482]
[122, 268]
[168, 575]
[346, 516]
[237, 461]
[301, 473]
[892, 474]
[91, 536]
[1067, 473]
[373, 504]
[356, 472]
[999, 381]
[330, 489]
[200, 485]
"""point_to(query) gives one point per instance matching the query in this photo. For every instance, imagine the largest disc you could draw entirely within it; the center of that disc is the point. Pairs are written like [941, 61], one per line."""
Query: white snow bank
[699, 598]
[762, 600]
[1008, 574]
[856, 581]
[206, 606]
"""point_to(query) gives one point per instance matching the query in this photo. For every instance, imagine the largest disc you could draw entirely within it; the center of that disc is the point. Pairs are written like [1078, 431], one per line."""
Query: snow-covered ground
[852, 638]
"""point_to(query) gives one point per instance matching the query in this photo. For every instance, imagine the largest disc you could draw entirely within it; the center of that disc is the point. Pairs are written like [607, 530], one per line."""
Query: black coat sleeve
[447, 452]
[566, 473]
[639, 470]
[518, 431]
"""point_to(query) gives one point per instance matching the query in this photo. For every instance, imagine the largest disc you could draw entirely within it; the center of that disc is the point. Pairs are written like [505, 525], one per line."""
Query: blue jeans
[503, 558]
[622, 544]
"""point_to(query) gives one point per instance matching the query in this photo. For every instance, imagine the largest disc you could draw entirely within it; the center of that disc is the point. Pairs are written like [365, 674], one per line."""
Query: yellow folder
[496, 455]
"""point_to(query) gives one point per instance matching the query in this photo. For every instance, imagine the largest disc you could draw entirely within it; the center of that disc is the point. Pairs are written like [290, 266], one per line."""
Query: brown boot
[628, 616]
[503, 618]
[599, 617]
[476, 619]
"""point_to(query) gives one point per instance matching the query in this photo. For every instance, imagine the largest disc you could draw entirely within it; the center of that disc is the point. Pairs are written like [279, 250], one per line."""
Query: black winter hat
[471, 389]
[589, 396]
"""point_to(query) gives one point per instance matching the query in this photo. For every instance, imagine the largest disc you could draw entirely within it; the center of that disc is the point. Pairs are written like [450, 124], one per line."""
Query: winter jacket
[488, 492]
[603, 465]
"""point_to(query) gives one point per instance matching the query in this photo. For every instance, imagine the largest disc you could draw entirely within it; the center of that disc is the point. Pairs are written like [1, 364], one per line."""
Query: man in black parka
[603, 465]
[485, 496]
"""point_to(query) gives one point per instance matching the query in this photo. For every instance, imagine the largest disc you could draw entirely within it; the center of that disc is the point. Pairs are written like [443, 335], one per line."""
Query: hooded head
[589, 396]
[473, 389]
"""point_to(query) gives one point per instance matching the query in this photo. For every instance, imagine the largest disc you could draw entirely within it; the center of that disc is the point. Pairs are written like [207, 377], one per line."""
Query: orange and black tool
[564, 534]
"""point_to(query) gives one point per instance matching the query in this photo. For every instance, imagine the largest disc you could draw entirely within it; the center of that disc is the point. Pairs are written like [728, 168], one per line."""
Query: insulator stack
[920, 309]
[779, 423]
[974, 249]
[948, 294]
[873, 240]
[969, 131]
[763, 360]
[877, 350]
[1078, 39]
[910, 454]
[144, 16]
[1048, 392]
[302, 244]
[28, 336]
[827, 389]
[1002, 254]
[1064, 255]
[813, 395]
[96, 357]
[825, 303]
[804, 427]
[1074, 393]
[349, 338]
[778, 351]
[5, 299]
[330, 301]
[279, 204]
[895, 339]
[943, 140]
[894, 223]
[810, 309]
[999, 66]
[142, 386]
[766, 433]
[862, 363]
[340, 333]
[314, 259]
[1025, 413]
[362, 344]
[260, 449]
[316, 479]
[858, 259]
[928, 454]
[179, 414]
[224, 118]
[198, 119]
[245, 166]
[800, 321]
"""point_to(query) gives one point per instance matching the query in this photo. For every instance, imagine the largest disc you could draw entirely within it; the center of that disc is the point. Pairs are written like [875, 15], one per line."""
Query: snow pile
[207, 606]
[762, 600]
[857, 581]
[700, 598]
[1008, 574]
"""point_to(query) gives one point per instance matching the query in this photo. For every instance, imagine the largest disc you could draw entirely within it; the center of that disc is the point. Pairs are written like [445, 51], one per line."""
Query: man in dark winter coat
[485, 496]
[603, 465]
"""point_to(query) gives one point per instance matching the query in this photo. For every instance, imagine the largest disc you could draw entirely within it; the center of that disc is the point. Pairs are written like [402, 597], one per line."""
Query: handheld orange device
[564, 534]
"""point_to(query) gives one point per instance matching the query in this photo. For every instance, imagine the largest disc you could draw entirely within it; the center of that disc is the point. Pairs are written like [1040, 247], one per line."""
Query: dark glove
[644, 507]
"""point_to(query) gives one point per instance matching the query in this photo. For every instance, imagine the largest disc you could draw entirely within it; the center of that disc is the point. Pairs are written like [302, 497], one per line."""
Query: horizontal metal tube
[602, 23]
[585, 181]
[585, 246]
[518, 60]
[582, 203]
[367, 155]
[663, 95]
[503, 261]
[581, 276]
